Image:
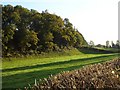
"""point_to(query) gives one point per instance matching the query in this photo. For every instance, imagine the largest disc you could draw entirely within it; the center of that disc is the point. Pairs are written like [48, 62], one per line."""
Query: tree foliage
[25, 30]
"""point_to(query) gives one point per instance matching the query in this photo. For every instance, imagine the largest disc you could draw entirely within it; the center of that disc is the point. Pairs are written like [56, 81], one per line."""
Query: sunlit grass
[20, 71]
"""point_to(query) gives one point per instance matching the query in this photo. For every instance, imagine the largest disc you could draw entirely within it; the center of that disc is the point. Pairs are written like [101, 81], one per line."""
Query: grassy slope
[21, 71]
[109, 49]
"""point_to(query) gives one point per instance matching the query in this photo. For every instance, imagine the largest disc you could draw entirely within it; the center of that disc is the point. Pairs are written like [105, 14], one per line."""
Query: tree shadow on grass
[23, 79]
[53, 63]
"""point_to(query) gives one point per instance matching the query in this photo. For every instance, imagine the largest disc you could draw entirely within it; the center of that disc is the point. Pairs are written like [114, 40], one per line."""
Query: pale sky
[97, 20]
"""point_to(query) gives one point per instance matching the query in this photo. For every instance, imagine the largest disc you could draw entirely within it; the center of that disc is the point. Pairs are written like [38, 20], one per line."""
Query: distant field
[19, 72]
[109, 49]
[98, 50]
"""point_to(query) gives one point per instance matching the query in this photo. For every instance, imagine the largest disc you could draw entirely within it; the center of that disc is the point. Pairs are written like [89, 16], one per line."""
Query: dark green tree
[26, 31]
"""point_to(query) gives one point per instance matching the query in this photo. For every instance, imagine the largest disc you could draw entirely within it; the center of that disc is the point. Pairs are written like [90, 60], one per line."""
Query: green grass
[109, 49]
[19, 72]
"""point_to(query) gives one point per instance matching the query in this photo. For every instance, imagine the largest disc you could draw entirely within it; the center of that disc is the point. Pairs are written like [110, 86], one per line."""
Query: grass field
[108, 49]
[19, 72]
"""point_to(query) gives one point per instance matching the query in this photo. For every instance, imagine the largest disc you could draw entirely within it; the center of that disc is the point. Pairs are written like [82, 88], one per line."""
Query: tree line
[113, 45]
[108, 44]
[27, 31]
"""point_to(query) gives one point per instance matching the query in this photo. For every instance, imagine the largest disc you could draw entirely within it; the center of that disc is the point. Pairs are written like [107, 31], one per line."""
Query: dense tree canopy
[28, 31]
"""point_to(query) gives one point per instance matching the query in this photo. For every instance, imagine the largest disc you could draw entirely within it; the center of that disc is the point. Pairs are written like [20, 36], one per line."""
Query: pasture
[19, 72]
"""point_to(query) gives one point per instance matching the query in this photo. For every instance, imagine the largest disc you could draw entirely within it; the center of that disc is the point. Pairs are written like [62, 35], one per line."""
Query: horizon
[96, 20]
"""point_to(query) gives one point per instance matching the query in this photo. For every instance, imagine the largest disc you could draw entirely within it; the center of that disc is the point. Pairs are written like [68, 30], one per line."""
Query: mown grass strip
[21, 77]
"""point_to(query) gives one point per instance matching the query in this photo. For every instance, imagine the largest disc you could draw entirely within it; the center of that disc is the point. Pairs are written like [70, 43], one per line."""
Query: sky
[97, 20]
